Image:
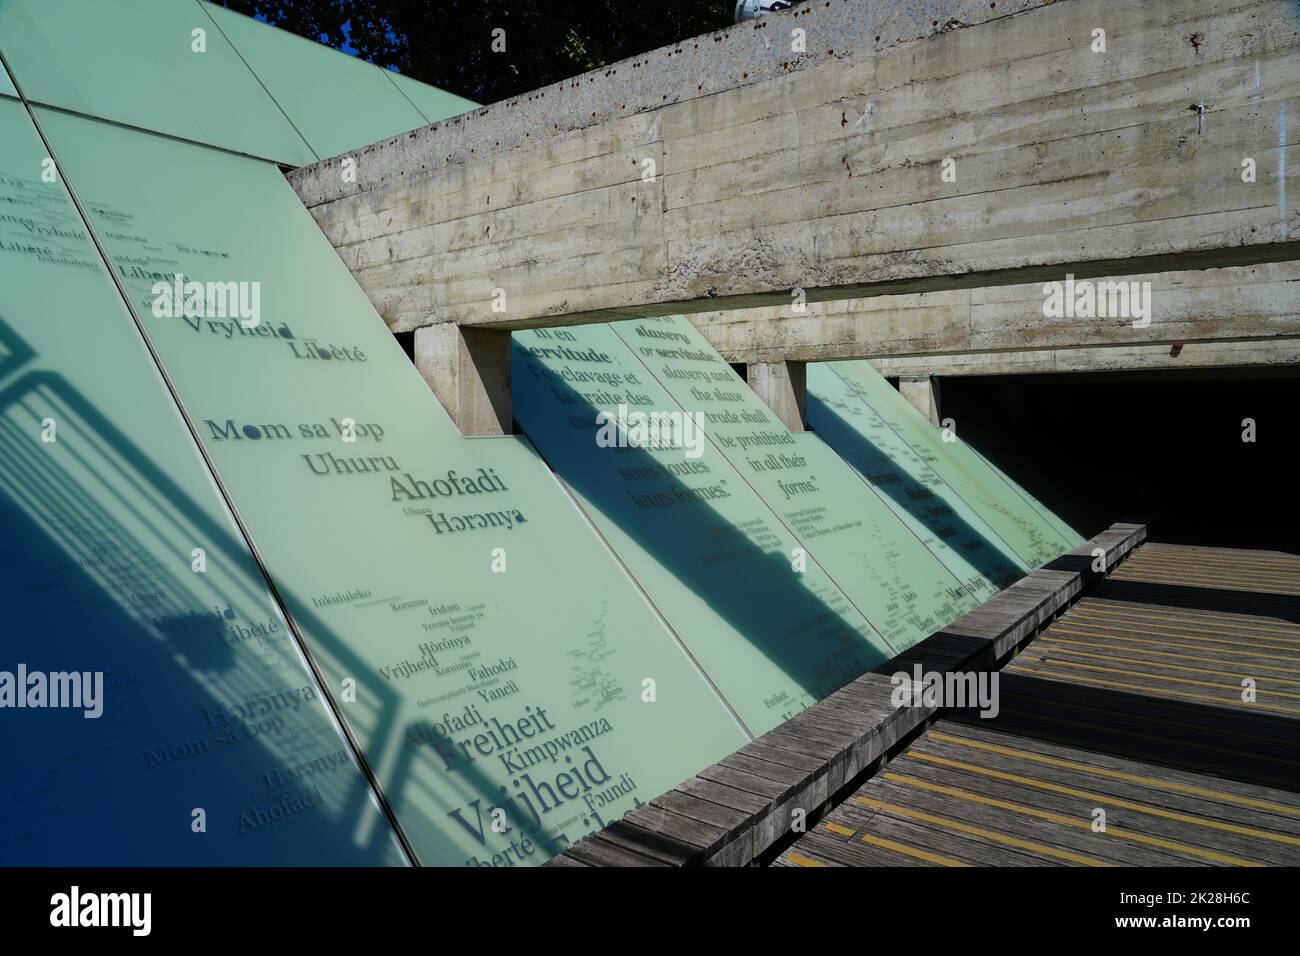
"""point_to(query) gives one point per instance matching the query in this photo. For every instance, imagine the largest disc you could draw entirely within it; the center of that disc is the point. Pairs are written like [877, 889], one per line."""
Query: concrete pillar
[923, 392]
[469, 370]
[783, 386]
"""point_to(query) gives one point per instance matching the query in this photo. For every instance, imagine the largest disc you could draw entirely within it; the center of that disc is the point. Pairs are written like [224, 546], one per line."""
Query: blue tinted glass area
[336, 101]
[141, 62]
[6, 84]
[193, 732]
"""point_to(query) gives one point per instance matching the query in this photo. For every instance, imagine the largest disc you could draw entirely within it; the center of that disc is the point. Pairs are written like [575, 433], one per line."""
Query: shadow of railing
[97, 577]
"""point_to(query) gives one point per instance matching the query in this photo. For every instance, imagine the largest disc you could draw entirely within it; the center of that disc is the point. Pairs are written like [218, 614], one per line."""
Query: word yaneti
[651, 430]
[57, 689]
[953, 689]
[103, 909]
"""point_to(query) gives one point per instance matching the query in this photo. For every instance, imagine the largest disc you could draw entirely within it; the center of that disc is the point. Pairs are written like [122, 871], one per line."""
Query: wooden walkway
[1129, 705]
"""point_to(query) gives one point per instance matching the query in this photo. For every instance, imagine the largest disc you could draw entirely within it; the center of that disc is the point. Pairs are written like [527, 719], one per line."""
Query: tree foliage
[448, 43]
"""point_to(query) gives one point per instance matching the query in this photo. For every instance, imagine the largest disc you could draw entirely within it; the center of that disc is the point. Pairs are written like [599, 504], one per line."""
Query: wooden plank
[733, 811]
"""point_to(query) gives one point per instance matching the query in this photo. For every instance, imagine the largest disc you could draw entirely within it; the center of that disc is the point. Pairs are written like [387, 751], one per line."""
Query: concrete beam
[827, 173]
[1257, 304]
[469, 371]
[784, 387]
[1141, 358]
[923, 392]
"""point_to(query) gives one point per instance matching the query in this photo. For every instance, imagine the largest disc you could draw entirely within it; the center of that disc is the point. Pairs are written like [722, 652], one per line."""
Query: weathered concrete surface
[784, 387]
[1259, 305]
[828, 174]
[1145, 358]
[469, 371]
[923, 392]
[738, 56]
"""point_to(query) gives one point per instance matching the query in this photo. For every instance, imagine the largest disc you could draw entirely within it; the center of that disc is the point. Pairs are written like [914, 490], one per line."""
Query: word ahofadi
[629, 429]
[70, 690]
[1104, 299]
[190, 299]
[957, 689]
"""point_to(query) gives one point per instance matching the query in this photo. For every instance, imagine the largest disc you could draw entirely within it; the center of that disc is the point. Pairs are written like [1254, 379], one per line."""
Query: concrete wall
[825, 171]
[962, 331]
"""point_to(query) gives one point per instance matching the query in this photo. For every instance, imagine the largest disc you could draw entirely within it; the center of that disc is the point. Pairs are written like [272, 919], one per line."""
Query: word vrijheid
[83, 690]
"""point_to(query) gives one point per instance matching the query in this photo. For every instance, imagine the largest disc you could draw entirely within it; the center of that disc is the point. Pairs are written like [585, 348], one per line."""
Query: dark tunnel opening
[1169, 446]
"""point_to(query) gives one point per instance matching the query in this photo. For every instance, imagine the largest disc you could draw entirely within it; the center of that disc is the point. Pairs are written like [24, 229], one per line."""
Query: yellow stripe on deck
[1115, 774]
[1106, 800]
[913, 852]
[993, 835]
[1073, 822]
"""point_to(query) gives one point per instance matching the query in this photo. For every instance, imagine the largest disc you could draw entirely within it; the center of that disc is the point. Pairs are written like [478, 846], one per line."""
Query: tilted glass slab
[711, 555]
[880, 565]
[482, 643]
[1071, 537]
[137, 62]
[118, 556]
[336, 101]
[6, 84]
[436, 105]
[1023, 529]
[907, 484]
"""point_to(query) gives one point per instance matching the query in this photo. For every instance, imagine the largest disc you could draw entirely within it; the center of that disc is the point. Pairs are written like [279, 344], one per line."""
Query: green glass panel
[1033, 539]
[134, 62]
[1071, 537]
[6, 84]
[494, 651]
[336, 101]
[436, 105]
[908, 485]
[713, 557]
[104, 500]
[881, 566]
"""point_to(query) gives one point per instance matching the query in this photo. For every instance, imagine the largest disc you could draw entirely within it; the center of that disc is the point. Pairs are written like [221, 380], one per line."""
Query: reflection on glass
[508, 684]
[119, 564]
